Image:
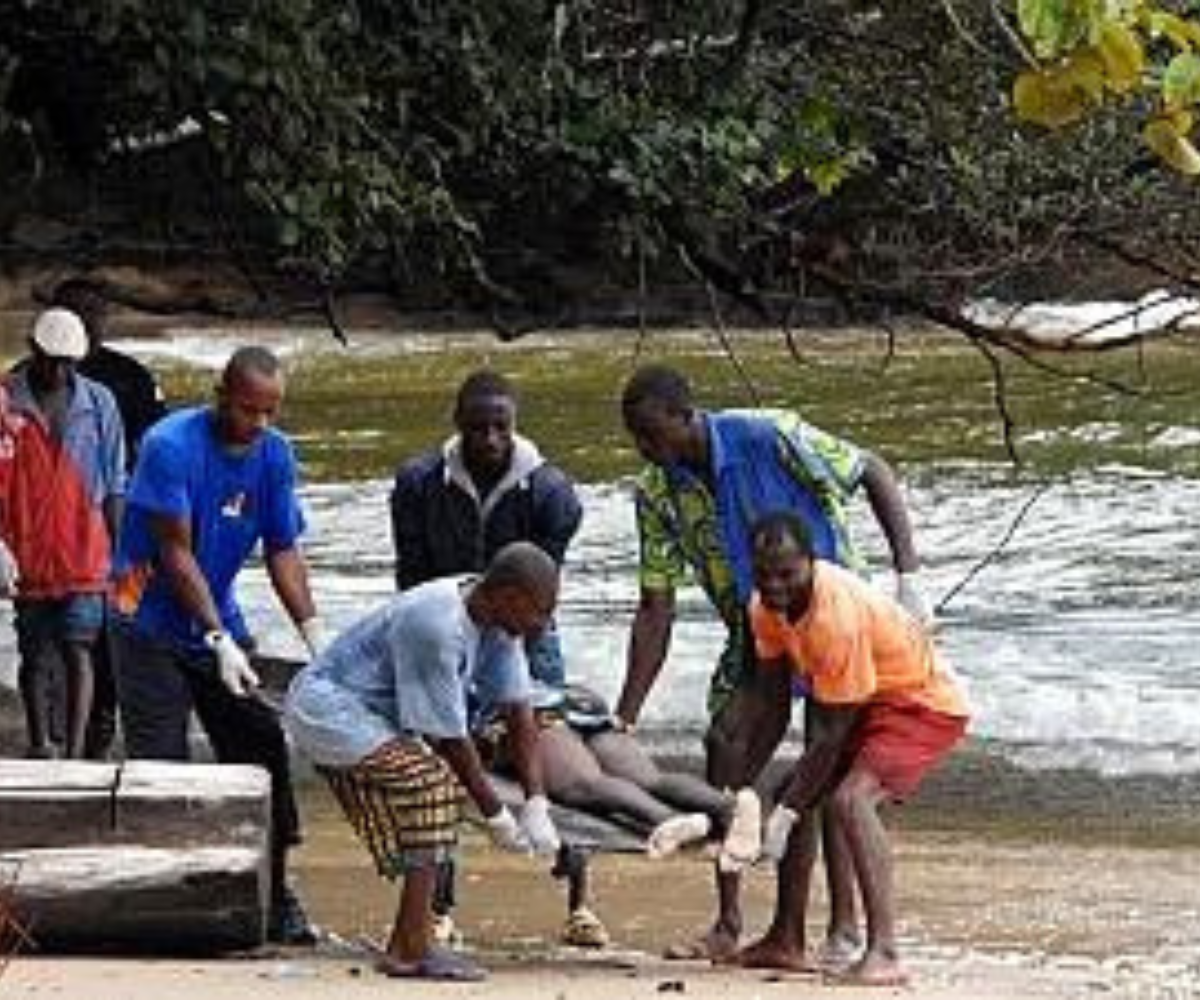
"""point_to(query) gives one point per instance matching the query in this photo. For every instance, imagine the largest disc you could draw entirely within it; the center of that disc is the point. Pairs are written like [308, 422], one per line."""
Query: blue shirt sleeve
[502, 672]
[159, 483]
[112, 447]
[282, 518]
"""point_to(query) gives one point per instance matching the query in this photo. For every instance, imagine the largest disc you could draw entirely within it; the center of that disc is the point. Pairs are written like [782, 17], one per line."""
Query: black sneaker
[289, 923]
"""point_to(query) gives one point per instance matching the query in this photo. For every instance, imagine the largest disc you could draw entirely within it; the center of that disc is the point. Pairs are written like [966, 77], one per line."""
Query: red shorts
[900, 742]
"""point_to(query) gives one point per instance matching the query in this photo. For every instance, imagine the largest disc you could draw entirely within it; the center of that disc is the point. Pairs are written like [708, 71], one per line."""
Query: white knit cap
[61, 334]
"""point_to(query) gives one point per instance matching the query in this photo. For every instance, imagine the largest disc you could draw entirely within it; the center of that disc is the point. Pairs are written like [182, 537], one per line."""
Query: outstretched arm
[649, 640]
[816, 770]
[289, 576]
[463, 759]
[891, 511]
[523, 743]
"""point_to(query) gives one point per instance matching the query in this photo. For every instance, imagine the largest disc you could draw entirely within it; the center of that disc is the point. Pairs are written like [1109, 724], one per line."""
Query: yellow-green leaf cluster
[1092, 51]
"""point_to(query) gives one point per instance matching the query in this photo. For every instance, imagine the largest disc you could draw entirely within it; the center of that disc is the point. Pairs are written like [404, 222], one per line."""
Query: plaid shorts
[403, 802]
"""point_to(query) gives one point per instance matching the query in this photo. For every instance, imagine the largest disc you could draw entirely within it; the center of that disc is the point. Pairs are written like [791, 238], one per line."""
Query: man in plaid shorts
[383, 714]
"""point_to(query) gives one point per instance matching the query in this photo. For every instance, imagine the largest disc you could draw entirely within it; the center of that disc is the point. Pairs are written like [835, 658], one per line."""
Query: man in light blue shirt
[383, 713]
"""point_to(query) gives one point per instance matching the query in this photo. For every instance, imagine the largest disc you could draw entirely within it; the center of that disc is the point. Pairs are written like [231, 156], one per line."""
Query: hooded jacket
[440, 525]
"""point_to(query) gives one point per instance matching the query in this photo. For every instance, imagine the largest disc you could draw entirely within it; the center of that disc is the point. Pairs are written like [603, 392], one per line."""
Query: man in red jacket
[62, 482]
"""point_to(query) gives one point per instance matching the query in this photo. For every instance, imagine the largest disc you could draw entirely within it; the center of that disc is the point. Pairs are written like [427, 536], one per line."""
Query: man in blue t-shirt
[211, 484]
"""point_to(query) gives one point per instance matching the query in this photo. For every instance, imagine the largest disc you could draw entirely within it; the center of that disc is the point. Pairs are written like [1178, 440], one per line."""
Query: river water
[1078, 638]
[1078, 644]
[1078, 635]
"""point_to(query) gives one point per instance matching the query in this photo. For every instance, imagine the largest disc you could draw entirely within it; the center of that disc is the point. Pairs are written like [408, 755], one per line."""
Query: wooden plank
[52, 803]
[166, 804]
[55, 775]
[141, 899]
[154, 803]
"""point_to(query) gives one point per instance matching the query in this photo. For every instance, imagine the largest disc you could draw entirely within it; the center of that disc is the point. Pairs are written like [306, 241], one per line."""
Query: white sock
[674, 833]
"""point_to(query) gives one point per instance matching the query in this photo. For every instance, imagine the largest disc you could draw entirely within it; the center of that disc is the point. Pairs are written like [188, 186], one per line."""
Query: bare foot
[773, 952]
[718, 946]
[875, 969]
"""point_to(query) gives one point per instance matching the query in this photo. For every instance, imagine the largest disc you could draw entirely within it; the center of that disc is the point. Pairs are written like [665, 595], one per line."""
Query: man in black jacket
[455, 506]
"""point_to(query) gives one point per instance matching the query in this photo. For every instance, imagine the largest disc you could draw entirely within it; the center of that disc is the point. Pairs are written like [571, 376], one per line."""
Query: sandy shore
[983, 916]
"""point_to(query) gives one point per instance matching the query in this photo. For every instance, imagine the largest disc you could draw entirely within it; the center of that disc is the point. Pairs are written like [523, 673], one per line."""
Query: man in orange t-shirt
[894, 711]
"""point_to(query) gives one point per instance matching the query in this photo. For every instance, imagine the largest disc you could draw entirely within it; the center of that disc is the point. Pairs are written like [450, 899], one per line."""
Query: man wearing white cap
[62, 482]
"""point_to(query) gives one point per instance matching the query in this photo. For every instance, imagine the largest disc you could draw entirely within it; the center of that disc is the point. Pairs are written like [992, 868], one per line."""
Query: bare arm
[810, 781]
[891, 511]
[649, 640]
[289, 577]
[464, 761]
[523, 743]
[173, 536]
[753, 725]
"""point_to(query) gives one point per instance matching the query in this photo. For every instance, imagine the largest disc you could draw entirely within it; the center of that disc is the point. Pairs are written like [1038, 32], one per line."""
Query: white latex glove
[232, 664]
[506, 833]
[538, 827]
[911, 597]
[312, 631]
[9, 573]
[777, 832]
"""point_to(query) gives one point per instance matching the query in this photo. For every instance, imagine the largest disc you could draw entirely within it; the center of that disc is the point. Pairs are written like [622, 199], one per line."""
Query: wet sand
[983, 914]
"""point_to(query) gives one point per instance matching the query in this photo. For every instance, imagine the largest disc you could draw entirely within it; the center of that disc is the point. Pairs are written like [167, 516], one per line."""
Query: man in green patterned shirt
[710, 476]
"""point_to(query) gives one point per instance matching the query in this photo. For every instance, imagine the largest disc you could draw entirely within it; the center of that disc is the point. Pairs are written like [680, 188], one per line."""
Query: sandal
[583, 929]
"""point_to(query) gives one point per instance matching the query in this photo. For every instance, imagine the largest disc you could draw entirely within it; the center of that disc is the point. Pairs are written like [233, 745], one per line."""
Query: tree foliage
[524, 151]
[1092, 52]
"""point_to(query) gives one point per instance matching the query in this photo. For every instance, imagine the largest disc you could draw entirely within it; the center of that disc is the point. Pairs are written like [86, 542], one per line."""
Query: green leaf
[1122, 55]
[1181, 33]
[1181, 81]
[1058, 26]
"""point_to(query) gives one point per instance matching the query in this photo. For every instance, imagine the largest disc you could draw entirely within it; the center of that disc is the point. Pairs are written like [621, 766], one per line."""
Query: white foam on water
[1090, 323]
[1077, 643]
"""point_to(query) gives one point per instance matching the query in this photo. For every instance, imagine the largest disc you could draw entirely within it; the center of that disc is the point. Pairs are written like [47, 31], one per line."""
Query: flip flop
[686, 951]
[438, 964]
[701, 950]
